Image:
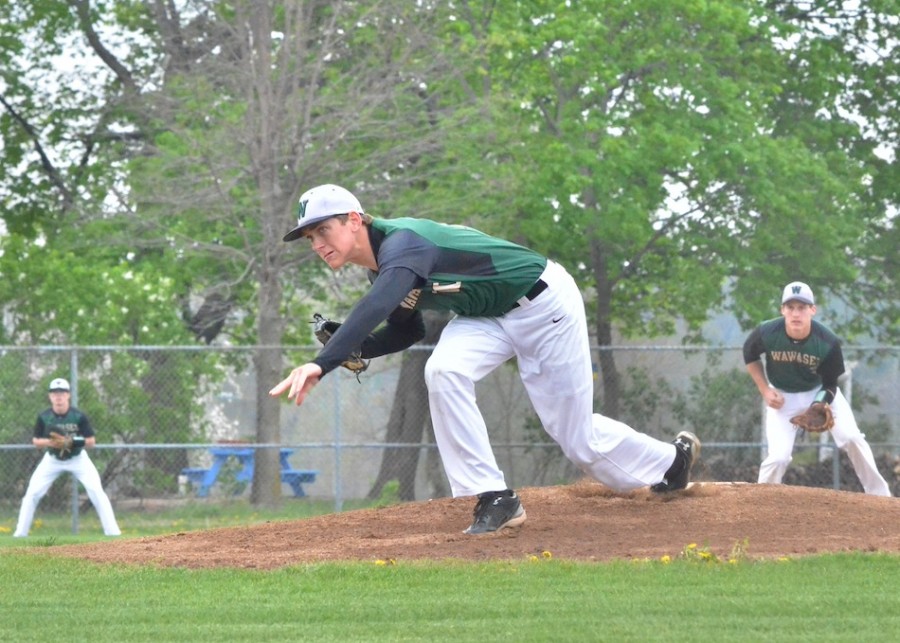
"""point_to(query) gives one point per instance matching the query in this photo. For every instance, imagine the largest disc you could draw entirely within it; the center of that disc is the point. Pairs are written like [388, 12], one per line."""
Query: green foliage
[696, 145]
[390, 494]
[60, 298]
[725, 404]
[643, 399]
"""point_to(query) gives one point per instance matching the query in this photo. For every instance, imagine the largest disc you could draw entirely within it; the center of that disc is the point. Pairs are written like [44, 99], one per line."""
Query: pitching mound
[584, 521]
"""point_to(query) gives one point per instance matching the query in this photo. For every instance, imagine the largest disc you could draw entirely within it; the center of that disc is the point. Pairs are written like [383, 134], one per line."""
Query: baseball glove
[324, 328]
[61, 442]
[816, 419]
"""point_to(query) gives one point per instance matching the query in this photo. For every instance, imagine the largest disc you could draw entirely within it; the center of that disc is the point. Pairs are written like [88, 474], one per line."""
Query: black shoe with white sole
[687, 450]
[496, 510]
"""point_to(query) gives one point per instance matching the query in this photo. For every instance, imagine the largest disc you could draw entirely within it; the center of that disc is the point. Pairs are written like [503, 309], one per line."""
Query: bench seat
[296, 478]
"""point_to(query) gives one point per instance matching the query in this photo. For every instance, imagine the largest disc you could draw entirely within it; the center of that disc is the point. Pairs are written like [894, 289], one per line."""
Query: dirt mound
[584, 521]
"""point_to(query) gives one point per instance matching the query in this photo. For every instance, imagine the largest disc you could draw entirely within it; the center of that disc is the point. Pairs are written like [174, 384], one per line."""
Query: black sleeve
[399, 333]
[388, 291]
[39, 427]
[754, 347]
[831, 368]
[84, 426]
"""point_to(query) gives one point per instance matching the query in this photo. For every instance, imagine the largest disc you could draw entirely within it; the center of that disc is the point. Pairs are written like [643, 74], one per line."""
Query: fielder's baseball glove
[324, 329]
[61, 442]
[816, 419]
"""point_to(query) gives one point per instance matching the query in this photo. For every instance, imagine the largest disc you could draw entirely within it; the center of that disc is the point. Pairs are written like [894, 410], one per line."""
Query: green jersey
[426, 265]
[463, 270]
[73, 422]
[793, 365]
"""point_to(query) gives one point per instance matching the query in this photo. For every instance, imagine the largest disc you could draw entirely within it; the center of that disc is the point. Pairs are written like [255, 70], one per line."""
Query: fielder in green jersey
[803, 363]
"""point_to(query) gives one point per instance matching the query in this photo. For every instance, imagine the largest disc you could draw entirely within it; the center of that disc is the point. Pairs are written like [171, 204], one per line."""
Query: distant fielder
[800, 388]
[65, 432]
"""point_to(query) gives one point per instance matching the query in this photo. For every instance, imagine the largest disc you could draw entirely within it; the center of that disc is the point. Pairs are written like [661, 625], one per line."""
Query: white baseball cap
[320, 203]
[59, 384]
[797, 290]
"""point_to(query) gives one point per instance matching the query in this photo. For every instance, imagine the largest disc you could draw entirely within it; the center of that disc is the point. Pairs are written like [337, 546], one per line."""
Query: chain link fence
[160, 412]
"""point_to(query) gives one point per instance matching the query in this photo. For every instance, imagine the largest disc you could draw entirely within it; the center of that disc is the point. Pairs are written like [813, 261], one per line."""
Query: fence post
[338, 485]
[73, 377]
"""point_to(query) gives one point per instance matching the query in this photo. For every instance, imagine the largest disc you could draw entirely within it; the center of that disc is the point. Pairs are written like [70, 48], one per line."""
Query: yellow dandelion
[533, 558]
[692, 546]
[546, 554]
[665, 560]
[381, 563]
[5, 530]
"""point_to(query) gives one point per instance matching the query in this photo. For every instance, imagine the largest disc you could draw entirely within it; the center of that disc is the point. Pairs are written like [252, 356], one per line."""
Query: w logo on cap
[301, 211]
[797, 290]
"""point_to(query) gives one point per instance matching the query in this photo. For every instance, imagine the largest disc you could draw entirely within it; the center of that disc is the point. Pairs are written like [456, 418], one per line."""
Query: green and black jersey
[792, 365]
[426, 265]
[73, 423]
[461, 269]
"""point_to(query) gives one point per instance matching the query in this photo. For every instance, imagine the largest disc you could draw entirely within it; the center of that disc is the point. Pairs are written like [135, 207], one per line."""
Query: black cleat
[496, 510]
[687, 450]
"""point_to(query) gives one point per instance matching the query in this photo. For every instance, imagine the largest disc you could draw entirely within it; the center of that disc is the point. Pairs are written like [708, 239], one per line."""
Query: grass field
[56, 528]
[846, 597]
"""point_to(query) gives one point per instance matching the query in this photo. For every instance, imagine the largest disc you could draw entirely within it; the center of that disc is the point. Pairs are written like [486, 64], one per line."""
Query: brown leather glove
[63, 443]
[816, 419]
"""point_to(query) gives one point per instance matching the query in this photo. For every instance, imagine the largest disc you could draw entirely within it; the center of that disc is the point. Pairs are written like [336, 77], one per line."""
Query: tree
[250, 104]
[294, 97]
[840, 99]
[657, 161]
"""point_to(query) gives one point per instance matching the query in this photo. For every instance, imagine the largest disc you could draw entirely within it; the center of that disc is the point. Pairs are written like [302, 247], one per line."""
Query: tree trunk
[267, 361]
[609, 374]
[409, 415]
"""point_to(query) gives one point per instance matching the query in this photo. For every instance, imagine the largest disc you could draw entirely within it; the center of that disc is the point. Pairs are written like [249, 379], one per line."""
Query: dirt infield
[583, 521]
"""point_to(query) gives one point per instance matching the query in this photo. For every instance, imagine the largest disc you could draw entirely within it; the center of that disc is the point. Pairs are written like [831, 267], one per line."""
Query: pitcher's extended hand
[299, 383]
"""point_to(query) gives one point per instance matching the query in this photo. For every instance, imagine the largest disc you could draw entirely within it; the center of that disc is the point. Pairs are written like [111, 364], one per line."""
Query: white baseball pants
[47, 471]
[780, 436]
[549, 338]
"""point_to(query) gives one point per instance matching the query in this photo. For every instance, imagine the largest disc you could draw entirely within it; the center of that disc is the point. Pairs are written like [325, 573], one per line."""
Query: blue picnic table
[204, 479]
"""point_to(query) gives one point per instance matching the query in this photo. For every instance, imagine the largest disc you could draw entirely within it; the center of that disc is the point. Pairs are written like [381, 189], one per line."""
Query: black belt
[539, 286]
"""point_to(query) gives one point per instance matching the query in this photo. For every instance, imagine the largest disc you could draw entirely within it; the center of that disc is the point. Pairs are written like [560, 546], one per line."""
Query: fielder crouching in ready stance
[803, 363]
[65, 432]
[509, 302]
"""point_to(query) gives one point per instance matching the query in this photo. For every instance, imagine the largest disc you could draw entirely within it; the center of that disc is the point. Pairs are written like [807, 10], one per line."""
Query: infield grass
[846, 597]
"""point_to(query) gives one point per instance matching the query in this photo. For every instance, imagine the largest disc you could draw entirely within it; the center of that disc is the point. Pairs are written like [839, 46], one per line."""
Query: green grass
[696, 597]
[202, 514]
[848, 597]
